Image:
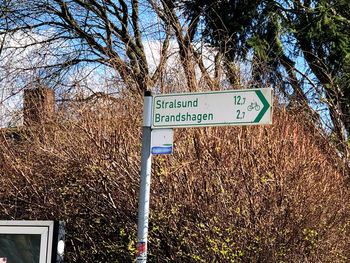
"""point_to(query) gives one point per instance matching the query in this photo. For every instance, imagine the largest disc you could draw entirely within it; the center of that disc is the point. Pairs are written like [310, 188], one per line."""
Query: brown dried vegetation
[226, 194]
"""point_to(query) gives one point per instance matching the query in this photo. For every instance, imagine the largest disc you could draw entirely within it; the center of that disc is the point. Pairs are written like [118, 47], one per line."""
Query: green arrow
[265, 104]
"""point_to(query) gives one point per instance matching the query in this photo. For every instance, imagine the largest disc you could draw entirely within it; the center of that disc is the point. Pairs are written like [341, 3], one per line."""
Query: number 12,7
[238, 100]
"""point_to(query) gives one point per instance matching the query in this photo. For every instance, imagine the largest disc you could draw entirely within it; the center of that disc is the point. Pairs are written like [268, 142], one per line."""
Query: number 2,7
[240, 115]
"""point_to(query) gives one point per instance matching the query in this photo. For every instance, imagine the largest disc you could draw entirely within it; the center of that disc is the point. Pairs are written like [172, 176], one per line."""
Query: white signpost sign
[234, 107]
[162, 141]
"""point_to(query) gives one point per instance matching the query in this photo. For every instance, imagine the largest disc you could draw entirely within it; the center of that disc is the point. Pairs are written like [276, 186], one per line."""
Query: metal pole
[146, 156]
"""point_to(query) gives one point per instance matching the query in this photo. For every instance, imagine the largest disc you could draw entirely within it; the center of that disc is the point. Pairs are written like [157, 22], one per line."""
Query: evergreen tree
[278, 35]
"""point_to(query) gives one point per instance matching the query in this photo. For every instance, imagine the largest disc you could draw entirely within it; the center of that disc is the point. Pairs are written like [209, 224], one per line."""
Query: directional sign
[234, 107]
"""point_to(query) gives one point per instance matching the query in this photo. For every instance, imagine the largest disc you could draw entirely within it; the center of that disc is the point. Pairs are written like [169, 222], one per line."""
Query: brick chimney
[38, 105]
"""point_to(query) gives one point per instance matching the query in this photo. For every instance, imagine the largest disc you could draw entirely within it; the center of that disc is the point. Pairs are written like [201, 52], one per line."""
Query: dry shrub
[83, 170]
[226, 194]
[252, 194]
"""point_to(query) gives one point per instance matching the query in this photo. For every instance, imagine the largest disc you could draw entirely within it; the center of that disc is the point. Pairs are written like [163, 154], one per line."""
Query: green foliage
[276, 37]
[228, 24]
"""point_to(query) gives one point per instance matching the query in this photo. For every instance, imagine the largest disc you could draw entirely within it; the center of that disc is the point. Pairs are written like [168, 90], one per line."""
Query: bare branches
[102, 28]
[184, 34]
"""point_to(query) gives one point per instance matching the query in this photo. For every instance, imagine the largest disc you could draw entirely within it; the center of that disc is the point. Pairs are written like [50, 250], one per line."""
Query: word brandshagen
[180, 116]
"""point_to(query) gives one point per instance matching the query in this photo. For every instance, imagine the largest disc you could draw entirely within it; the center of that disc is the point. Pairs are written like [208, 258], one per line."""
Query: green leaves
[299, 47]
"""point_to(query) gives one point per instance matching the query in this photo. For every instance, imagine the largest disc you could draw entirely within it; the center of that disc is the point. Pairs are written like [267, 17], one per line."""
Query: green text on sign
[234, 107]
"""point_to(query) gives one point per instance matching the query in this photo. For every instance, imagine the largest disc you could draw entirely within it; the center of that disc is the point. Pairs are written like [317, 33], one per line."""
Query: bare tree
[99, 32]
[185, 31]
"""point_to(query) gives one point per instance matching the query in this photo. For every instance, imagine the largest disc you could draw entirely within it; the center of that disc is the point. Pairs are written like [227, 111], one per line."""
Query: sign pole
[145, 176]
[238, 107]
